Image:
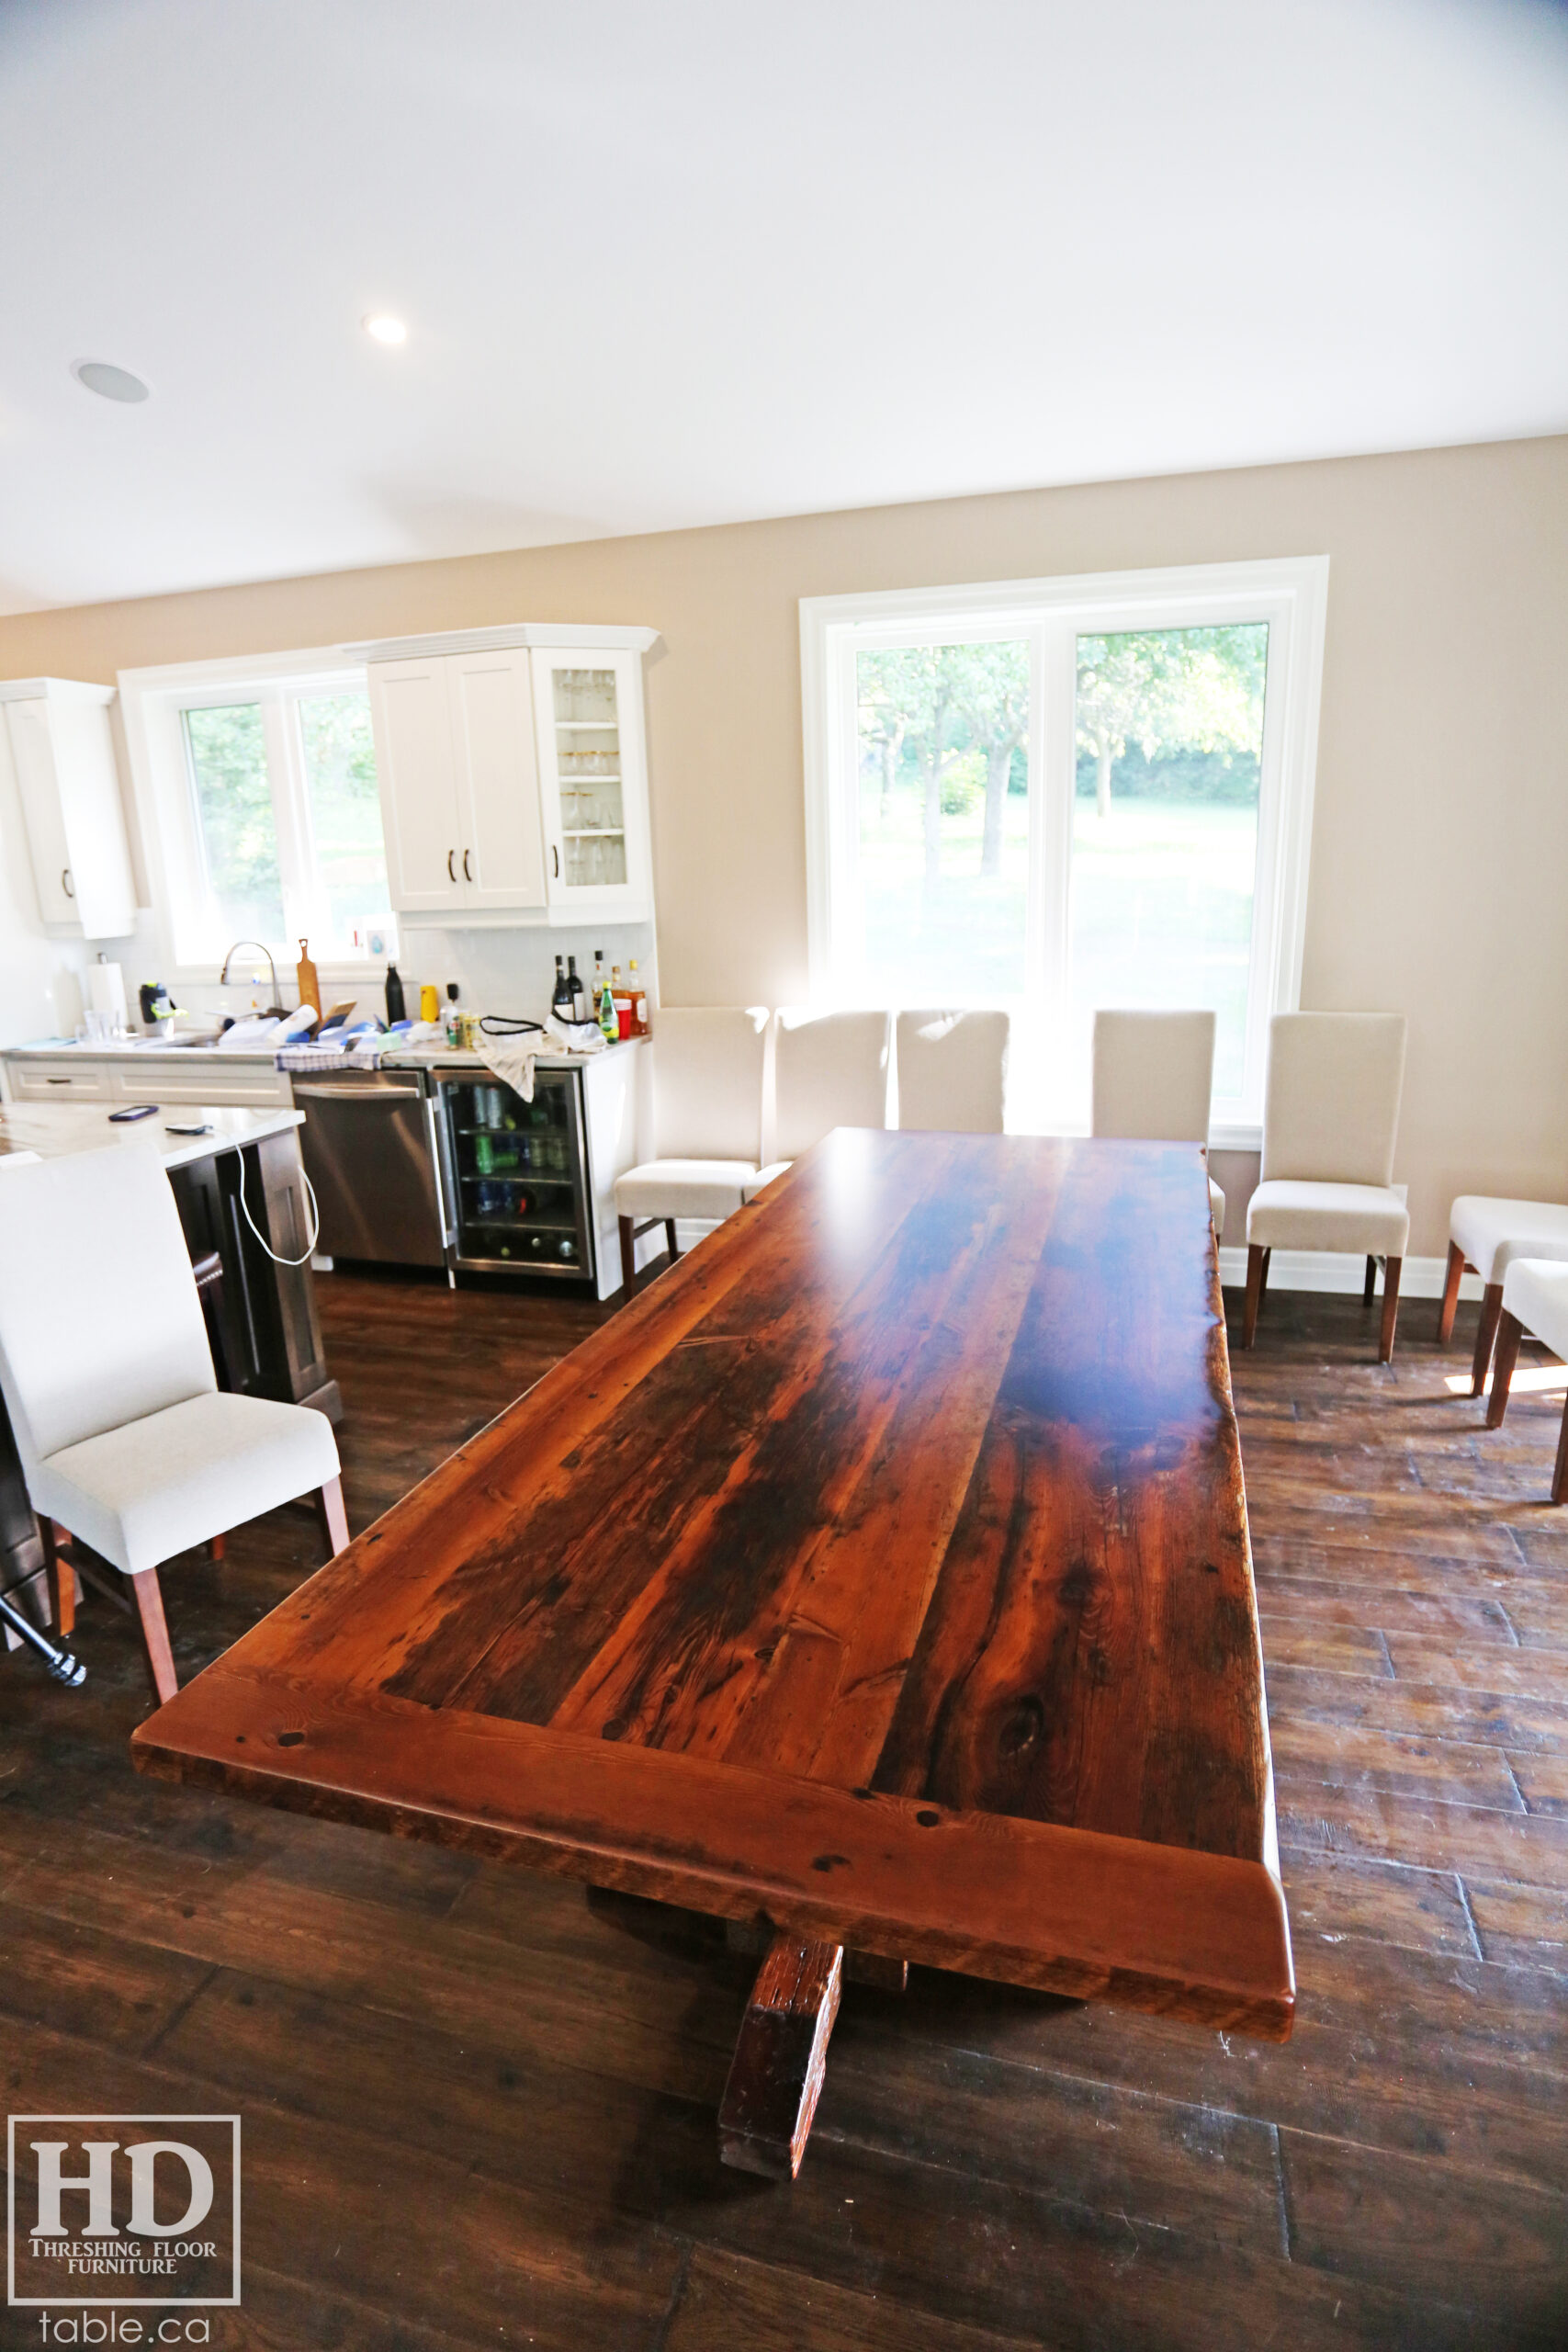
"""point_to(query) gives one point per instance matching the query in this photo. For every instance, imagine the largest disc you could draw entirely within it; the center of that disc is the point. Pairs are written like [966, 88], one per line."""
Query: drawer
[57, 1082]
[249, 1089]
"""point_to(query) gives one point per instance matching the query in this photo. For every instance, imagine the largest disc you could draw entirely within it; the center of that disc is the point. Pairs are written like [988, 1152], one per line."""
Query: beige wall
[1440, 846]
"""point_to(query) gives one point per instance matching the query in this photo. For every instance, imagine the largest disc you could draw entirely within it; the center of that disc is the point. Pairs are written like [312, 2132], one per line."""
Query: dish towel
[512, 1059]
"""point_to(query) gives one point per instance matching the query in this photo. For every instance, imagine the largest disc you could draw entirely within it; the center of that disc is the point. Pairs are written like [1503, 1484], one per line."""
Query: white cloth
[1370, 1220]
[1535, 1290]
[512, 1058]
[1492, 1233]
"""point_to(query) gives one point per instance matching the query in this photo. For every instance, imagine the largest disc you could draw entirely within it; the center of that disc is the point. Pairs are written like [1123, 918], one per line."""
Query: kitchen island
[240, 1192]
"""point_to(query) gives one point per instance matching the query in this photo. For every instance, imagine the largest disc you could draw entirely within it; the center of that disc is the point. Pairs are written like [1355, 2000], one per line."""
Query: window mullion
[286, 773]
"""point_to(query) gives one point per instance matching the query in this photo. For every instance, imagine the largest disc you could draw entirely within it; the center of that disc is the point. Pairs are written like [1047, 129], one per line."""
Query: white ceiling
[673, 261]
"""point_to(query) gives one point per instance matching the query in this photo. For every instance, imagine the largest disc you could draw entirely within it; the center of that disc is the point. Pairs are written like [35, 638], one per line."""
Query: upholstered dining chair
[707, 1122]
[1535, 1299]
[952, 1069]
[1330, 1116]
[829, 1069]
[1486, 1236]
[125, 1438]
[1154, 1076]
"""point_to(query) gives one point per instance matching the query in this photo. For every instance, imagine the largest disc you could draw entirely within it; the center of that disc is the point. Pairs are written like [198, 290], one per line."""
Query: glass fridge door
[518, 1173]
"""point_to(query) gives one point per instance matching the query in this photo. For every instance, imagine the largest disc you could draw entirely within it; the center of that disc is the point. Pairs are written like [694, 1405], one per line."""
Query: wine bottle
[560, 1003]
[575, 990]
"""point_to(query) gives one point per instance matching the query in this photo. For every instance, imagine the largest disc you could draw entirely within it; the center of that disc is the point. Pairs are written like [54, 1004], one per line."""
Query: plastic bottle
[394, 995]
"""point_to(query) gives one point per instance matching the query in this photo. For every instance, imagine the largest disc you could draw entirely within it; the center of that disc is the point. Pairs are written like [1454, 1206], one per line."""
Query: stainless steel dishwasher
[369, 1145]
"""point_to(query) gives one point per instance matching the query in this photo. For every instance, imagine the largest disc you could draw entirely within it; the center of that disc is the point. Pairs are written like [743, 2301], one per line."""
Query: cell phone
[187, 1127]
[133, 1111]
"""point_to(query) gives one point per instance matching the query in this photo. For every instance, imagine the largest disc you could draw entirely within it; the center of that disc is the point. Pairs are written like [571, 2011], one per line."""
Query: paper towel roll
[105, 993]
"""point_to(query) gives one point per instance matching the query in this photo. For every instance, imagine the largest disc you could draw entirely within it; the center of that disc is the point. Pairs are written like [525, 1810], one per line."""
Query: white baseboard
[1334, 1270]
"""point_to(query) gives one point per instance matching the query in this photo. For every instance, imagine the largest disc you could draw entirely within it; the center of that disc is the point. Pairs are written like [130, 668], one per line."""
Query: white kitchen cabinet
[66, 773]
[593, 781]
[512, 776]
[416, 769]
[458, 782]
[498, 780]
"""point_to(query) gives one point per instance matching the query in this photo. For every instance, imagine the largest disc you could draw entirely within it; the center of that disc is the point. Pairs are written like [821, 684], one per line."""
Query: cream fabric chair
[124, 1436]
[1330, 1116]
[829, 1070]
[1486, 1236]
[1535, 1299]
[707, 1122]
[1154, 1076]
[952, 1070]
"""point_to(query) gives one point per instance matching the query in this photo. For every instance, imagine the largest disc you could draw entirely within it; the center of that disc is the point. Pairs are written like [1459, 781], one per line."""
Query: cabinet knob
[65, 882]
[467, 873]
[451, 876]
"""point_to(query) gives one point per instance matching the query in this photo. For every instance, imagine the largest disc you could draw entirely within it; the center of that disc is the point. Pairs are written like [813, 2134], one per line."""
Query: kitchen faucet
[223, 975]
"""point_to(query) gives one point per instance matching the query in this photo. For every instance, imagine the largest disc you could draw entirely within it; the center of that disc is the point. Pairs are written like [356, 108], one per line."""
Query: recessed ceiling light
[385, 328]
[110, 383]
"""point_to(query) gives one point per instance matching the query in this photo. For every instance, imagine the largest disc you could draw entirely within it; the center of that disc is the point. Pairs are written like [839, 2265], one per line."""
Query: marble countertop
[158, 1054]
[55, 1130]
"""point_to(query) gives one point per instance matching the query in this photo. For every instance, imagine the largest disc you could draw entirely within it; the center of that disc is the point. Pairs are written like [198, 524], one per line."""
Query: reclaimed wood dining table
[877, 1581]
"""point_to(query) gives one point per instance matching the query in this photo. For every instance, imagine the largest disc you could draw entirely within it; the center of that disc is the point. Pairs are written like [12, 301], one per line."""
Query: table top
[882, 1572]
[53, 1130]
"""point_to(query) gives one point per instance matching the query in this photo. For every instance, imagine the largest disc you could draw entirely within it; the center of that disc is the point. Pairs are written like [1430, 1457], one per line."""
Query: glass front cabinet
[593, 782]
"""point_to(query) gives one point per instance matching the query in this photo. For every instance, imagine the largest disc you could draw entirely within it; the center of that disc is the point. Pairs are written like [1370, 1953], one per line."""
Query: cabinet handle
[450, 876]
[468, 875]
[555, 861]
[65, 882]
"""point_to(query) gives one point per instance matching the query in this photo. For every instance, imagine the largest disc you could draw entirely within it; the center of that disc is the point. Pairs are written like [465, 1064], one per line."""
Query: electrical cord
[315, 1221]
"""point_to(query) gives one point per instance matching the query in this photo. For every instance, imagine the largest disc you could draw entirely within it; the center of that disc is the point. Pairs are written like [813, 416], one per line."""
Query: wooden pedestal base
[775, 2078]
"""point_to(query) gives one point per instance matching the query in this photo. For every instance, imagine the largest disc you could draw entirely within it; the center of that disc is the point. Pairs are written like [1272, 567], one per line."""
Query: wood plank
[1085, 1546]
[1193, 1934]
[781, 2057]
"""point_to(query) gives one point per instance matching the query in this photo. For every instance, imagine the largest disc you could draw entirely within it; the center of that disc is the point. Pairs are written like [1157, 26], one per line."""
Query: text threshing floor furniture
[880, 1577]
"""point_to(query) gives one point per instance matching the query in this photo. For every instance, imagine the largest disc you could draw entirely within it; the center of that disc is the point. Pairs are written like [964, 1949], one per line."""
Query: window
[1063, 794]
[259, 780]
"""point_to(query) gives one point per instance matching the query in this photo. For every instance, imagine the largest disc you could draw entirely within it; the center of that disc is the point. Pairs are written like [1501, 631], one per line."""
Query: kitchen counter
[53, 1130]
[457, 1057]
[133, 1049]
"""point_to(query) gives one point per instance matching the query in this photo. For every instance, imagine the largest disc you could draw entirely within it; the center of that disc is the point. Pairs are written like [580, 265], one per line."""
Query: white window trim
[1290, 592]
[150, 703]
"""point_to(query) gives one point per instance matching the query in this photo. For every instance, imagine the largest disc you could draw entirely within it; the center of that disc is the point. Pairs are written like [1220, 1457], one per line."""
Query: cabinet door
[498, 780]
[33, 750]
[415, 770]
[88, 781]
[592, 781]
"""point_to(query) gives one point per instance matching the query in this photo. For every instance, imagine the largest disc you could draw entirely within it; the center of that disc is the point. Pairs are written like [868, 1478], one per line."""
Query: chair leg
[1559, 1476]
[333, 1516]
[1391, 1269]
[1509, 1332]
[1451, 1295]
[155, 1647]
[628, 1255]
[1371, 1283]
[669, 1238]
[1254, 1273]
[1491, 1308]
[61, 1581]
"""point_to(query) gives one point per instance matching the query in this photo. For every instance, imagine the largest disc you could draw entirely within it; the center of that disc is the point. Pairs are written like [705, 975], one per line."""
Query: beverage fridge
[517, 1174]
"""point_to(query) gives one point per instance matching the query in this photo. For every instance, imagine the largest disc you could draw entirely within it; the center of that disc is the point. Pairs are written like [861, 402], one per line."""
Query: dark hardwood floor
[480, 2110]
